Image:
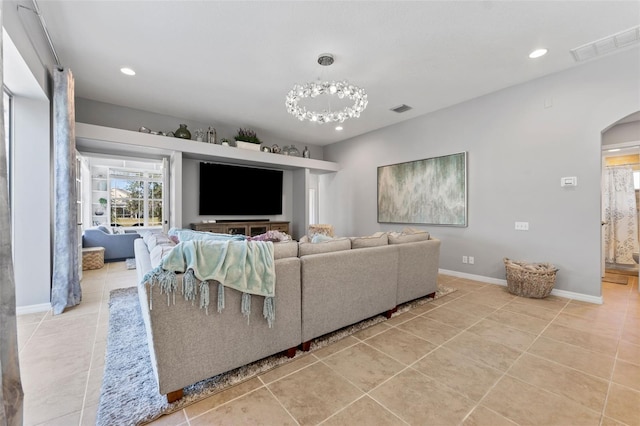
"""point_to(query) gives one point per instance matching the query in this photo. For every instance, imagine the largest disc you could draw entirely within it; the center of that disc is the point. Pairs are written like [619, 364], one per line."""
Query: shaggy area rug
[129, 395]
[130, 263]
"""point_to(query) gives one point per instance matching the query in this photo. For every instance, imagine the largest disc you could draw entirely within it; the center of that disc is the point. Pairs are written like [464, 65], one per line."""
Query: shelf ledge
[92, 138]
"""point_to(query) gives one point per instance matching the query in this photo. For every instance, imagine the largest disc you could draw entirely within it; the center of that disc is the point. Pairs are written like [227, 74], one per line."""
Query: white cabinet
[100, 196]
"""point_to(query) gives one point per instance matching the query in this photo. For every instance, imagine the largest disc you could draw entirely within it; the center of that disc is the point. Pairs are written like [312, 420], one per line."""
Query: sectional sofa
[320, 287]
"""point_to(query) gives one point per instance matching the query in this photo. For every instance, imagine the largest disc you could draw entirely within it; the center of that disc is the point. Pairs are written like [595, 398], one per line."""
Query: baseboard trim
[556, 292]
[32, 309]
[474, 277]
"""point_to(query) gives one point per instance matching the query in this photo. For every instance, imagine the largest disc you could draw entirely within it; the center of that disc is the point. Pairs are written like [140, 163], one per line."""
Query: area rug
[129, 395]
[130, 263]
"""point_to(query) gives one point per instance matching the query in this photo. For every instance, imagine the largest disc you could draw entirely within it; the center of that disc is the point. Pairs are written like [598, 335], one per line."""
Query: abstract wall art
[432, 191]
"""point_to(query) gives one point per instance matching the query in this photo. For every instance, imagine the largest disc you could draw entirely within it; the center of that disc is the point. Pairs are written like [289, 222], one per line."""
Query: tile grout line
[615, 359]
[93, 350]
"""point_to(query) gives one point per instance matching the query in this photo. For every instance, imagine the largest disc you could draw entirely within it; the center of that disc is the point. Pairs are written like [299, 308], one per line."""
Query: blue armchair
[117, 247]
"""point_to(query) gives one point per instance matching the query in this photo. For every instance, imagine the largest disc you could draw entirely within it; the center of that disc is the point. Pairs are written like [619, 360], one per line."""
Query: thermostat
[569, 181]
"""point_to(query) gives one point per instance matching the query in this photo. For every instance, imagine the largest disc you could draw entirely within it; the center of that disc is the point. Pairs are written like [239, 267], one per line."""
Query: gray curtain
[65, 291]
[11, 394]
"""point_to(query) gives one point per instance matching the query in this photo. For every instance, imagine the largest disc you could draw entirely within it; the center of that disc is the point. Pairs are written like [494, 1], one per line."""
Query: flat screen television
[227, 189]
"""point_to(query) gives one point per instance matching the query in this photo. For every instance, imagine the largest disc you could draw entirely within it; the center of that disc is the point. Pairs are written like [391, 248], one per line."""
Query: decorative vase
[182, 132]
[248, 145]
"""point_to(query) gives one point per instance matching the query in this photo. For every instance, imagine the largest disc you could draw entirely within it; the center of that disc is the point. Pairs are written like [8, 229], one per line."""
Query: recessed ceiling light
[613, 150]
[127, 71]
[537, 53]
[338, 128]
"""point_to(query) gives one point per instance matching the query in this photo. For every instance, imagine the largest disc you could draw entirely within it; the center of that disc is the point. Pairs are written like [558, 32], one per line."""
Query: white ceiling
[232, 62]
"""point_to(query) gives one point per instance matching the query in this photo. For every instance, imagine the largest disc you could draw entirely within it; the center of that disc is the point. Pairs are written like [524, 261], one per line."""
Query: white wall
[31, 202]
[518, 150]
[31, 182]
[109, 115]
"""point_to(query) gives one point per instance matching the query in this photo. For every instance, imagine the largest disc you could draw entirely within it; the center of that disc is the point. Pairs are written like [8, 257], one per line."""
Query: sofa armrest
[417, 269]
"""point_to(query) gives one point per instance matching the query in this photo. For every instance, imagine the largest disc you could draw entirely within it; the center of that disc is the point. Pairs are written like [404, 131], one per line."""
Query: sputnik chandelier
[341, 89]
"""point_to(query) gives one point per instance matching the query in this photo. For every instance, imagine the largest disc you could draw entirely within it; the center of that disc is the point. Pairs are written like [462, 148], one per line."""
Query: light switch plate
[569, 181]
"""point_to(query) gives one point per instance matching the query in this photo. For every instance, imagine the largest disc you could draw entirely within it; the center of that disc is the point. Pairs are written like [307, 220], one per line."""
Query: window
[136, 197]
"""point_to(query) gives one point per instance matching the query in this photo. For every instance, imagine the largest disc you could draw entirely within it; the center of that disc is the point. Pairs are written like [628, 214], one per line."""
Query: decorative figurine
[212, 136]
[305, 153]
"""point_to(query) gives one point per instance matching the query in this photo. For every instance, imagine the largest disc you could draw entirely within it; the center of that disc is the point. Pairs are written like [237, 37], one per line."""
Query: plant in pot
[103, 206]
[247, 139]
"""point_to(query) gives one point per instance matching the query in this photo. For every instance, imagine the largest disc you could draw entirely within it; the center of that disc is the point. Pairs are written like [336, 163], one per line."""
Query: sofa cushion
[400, 238]
[159, 252]
[375, 240]
[285, 249]
[336, 244]
[156, 239]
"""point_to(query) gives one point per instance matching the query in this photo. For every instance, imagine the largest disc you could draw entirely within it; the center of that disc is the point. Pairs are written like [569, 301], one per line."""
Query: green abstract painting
[432, 191]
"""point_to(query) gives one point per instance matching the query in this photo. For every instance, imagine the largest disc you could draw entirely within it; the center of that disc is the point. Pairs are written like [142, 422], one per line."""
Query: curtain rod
[36, 10]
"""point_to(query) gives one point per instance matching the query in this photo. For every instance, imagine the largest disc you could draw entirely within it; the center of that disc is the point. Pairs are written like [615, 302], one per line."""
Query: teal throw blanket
[246, 266]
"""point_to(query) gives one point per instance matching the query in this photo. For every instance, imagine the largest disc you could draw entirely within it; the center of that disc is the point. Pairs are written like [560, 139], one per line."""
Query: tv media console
[241, 227]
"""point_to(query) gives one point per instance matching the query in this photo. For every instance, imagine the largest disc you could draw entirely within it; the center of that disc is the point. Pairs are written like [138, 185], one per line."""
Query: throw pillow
[320, 238]
[105, 229]
[188, 235]
[320, 228]
[375, 240]
[397, 238]
[273, 236]
[154, 240]
[337, 244]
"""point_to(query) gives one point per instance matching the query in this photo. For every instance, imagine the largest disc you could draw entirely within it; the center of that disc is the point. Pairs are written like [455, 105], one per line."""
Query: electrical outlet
[471, 260]
[522, 226]
[465, 259]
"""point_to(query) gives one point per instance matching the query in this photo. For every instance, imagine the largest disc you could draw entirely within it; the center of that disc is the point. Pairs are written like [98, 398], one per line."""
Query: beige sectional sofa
[320, 287]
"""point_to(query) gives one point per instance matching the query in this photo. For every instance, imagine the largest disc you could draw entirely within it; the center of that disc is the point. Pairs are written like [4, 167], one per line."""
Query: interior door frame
[606, 153]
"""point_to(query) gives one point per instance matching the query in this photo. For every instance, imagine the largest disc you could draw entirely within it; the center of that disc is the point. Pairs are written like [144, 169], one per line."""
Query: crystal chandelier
[341, 89]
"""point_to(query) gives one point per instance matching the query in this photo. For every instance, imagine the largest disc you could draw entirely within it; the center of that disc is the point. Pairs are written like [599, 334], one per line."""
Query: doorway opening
[620, 245]
[123, 193]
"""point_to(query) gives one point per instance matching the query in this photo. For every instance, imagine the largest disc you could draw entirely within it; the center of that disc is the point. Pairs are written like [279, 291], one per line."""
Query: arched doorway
[620, 244]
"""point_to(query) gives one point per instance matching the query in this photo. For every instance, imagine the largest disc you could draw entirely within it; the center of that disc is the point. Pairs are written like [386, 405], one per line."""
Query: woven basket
[530, 279]
[92, 258]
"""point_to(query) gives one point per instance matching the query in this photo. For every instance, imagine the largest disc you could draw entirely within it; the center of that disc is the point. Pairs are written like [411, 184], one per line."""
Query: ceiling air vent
[606, 45]
[401, 108]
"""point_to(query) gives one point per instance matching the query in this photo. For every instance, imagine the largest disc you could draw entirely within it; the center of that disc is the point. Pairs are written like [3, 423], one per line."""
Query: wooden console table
[245, 228]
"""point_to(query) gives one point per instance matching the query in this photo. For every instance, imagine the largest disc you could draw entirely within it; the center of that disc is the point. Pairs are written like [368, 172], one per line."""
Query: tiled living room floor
[479, 356]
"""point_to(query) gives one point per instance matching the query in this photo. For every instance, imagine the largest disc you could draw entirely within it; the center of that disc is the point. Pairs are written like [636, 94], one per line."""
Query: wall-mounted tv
[227, 189]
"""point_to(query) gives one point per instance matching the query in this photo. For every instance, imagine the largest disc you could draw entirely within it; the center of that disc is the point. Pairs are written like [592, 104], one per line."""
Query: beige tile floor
[479, 356]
